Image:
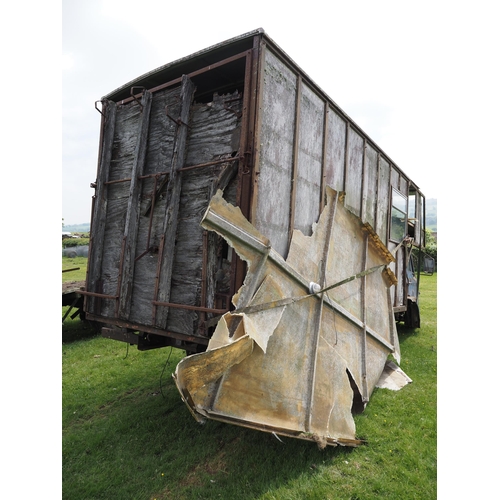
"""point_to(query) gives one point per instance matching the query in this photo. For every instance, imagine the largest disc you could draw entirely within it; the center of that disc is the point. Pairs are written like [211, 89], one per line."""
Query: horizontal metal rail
[70, 269]
[191, 75]
[183, 169]
[190, 308]
[99, 295]
[208, 164]
[147, 329]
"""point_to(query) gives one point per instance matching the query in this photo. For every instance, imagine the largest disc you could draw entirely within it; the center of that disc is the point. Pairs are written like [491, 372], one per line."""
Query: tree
[430, 245]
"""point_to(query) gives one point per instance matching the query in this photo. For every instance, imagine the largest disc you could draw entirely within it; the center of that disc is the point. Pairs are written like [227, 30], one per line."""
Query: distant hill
[77, 228]
[431, 214]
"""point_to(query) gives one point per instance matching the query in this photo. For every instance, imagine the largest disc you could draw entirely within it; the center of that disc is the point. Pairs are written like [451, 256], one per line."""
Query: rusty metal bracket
[73, 304]
[150, 209]
[227, 108]
[177, 121]
[134, 97]
[95, 106]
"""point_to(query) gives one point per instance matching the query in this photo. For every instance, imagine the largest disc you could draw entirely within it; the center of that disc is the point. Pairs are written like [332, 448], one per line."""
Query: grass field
[127, 435]
[74, 269]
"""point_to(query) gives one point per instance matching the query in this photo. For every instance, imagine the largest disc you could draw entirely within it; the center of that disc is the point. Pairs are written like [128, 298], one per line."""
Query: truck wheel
[412, 315]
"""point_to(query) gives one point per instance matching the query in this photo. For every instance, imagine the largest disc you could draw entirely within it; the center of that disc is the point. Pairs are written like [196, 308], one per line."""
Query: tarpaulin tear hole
[357, 401]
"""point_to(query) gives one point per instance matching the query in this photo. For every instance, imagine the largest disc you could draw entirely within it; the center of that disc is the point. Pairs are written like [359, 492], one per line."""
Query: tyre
[412, 315]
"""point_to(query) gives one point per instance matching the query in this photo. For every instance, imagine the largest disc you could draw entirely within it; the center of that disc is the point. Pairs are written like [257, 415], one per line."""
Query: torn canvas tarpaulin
[393, 377]
[310, 335]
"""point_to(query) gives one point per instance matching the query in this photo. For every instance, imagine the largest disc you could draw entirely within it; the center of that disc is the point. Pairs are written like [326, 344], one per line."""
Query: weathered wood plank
[121, 163]
[310, 155]
[127, 258]
[158, 159]
[335, 158]
[214, 134]
[354, 174]
[272, 214]
[370, 186]
[100, 205]
[167, 244]
[383, 198]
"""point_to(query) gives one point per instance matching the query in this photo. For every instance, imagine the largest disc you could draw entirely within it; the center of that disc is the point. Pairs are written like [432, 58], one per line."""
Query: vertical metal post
[295, 161]
[375, 215]
[323, 157]
[346, 153]
[364, 388]
[249, 151]
[364, 183]
[318, 315]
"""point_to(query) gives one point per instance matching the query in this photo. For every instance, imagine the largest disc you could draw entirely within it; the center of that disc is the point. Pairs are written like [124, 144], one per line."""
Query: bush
[428, 251]
[74, 242]
[431, 246]
[432, 251]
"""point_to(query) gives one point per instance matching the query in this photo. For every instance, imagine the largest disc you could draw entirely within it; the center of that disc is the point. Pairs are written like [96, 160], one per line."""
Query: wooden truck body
[246, 119]
[240, 215]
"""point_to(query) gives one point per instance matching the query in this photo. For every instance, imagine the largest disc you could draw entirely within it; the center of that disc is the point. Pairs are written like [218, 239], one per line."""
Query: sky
[396, 68]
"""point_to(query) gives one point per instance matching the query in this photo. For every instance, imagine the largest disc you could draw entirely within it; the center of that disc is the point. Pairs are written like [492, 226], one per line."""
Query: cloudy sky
[396, 68]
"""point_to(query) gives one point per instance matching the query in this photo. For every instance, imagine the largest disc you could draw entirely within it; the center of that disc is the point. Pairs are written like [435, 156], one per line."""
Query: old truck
[240, 215]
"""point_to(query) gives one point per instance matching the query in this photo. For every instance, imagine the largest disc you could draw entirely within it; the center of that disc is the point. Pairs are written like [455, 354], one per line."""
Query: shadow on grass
[404, 333]
[76, 329]
[145, 440]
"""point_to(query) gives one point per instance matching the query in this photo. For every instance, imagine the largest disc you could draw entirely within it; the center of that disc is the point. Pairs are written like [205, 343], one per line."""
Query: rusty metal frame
[248, 150]
[190, 308]
[151, 212]
[245, 159]
[176, 81]
[148, 329]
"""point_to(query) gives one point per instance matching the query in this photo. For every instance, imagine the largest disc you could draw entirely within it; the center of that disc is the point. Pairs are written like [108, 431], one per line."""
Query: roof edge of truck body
[227, 49]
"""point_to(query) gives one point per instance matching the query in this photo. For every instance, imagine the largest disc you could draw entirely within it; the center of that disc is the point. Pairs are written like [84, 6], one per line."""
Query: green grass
[127, 435]
[74, 329]
[74, 263]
